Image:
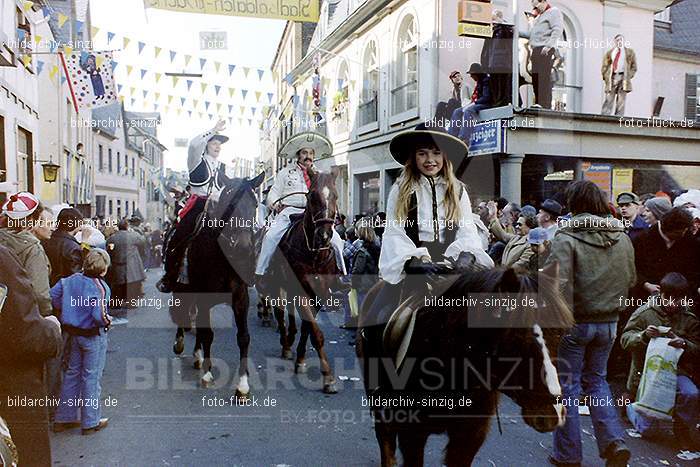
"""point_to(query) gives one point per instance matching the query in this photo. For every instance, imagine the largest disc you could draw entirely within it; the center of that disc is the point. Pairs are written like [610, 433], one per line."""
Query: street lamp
[50, 170]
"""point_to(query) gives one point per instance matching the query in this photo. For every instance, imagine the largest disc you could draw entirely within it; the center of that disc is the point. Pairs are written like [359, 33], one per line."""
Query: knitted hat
[658, 206]
[20, 205]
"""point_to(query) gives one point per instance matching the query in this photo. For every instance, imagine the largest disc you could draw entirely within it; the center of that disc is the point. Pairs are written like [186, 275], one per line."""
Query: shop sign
[487, 138]
[474, 30]
[622, 181]
[474, 12]
[600, 174]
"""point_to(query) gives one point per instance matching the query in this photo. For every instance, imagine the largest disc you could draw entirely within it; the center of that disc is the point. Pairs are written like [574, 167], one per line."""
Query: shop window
[368, 189]
[404, 95]
[370, 86]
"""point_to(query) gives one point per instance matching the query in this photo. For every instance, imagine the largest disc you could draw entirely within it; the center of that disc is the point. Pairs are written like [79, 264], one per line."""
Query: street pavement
[160, 416]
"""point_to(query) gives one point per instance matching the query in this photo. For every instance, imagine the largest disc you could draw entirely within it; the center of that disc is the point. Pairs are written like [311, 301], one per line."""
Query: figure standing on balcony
[547, 29]
[464, 119]
[619, 67]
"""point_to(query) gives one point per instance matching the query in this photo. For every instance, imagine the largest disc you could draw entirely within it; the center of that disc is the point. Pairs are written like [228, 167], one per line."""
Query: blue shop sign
[487, 138]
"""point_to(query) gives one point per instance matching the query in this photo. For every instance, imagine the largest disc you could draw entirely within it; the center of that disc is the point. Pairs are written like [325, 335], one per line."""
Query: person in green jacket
[669, 310]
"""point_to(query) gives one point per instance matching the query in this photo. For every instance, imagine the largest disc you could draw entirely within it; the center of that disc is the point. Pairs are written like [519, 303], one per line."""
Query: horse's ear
[335, 171]
[257, 181]
[510, 282]
[551, 270]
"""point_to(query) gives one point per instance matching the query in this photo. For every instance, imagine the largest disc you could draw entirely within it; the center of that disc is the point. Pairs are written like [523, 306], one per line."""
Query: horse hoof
[241, 397]
[198, 360]
[286, 354]
[330, 388]
[179, 345]
[300, 368]
[207, 380]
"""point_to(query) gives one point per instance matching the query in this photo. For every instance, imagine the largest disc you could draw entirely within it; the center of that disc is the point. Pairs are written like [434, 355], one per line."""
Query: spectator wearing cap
[63, 249]
[24, 214]
[457, 80]
[655, 209]
[690, 199]
[696, 222]
[629, 205]
[464, 119]
[667, 247]
[549, 212]
[540, 241]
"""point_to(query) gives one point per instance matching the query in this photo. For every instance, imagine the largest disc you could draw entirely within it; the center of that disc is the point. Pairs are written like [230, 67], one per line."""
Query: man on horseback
[288, 197]
[207, 178]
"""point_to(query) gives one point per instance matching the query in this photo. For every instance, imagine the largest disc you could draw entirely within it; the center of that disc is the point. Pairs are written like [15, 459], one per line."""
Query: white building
[385, 64]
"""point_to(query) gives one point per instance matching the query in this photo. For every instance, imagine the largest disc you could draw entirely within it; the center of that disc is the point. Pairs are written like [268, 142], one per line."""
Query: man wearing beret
[628, 203]
[547, 216]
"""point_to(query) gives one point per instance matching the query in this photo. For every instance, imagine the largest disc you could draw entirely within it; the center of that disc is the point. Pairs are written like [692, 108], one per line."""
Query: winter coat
[596, 266]
[65, 255]
[127, 267]
[497, 51]
[683, 324]
[517, 252]
[365, 266]
[33, 259]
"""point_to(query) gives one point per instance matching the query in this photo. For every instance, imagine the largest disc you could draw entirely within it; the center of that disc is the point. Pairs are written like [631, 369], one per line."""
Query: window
[3, 161]
[111, 207]
[109, 159]
[100, 158]
[133, 162]
[119, 163]
[404, 95]
[25, 159]
[664, 15]
[133, 206]
[370, 85]
[339, 115]
[566, 89]
[24, 39]
[692, 91]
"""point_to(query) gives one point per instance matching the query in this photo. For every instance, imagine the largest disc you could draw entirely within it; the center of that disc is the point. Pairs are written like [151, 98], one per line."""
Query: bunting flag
[158, 50]
[27, 5]
[126, 42]
[260, 74]
[110, 36]
[145, 93]
[79, 26]
[37, 39]
[244, 92]
[114, 65]
[119, 88]
[246, 70]
[100, 60]
[269, 97]
[170, 99]
[158, 77]
[129, 69]
[217, 66]
[91, 86]
[26, 59]
[157, 96]
[182, 101]
[94, 30]
[202, 62]
[231, 92]
[206, 105]
[172, 55]
[189, 84]
[143, 73]
[230, 109]
[141, 46]
[230, 69]
[187, 59]
[217, 88]
[204, 87]
[68, 50]
[175, 80]
[218, 108]
[62, 19]
[257, 96]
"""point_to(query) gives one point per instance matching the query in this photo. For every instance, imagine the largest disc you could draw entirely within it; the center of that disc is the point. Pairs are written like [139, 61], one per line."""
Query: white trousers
[278, 227]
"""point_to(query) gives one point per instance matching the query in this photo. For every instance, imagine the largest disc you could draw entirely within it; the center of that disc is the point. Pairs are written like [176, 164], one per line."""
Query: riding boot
[166, 284]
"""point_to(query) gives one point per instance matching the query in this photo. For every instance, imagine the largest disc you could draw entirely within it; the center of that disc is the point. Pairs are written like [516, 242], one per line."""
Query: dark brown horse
[304, 268]
[220, 262]
[460, 357]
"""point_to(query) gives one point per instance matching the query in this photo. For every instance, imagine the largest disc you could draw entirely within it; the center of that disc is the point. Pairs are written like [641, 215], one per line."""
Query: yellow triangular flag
[170, 99]
[26, 59]
[231, 91]
[257, 96]
[28, 5]
[132, 90]
[53, 71]
[129, 69]
[217, 66]
[187, 59]
[62, 20]
[175, 80]
[167, 109]
[99, 60]
[158, 51]
[68, 49]
[158, 77]
[126, 42]
[275, 75]
[121, 99]
[204, 87]
[195, 102]
[94, 30]
[246, 70]
[157, 96]
[179, 111]
[37, 39]
[218, 107]
[242, 109]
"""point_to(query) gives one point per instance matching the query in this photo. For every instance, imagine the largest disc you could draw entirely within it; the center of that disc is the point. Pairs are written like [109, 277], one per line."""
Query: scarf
[307, 179]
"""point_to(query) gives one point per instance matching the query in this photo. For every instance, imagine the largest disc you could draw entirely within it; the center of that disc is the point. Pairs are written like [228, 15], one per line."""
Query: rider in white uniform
[288, 196]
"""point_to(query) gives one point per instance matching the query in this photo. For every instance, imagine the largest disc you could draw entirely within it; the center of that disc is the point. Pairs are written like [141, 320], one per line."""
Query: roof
[139, 119]
[682, 35]
[108, 119]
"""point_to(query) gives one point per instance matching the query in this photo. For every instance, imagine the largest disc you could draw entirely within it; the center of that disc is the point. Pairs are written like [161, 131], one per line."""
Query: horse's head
[233, 216]
[321, 209]
[531, 326]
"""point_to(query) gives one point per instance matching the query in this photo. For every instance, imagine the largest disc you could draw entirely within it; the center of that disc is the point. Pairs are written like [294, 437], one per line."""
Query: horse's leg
[240, 312]
[179, 345]
[205, 336]
[317, 340]
[300, 364]
[412, 443]
[291, 327]
[386, 437]
[465, 443]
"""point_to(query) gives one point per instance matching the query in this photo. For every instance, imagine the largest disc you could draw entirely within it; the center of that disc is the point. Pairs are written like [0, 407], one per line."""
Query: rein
[315, 220]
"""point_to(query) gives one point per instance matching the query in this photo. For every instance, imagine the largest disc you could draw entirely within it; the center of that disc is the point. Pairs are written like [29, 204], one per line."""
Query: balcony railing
[404, 97]
[367, 111]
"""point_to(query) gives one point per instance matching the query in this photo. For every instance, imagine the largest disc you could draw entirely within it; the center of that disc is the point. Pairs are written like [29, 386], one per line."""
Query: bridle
[238, 195]
[322, 218]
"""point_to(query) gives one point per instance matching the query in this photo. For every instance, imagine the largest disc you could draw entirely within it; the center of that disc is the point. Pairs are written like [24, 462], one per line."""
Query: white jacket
[196, 154]
[397, 247]
[288, 180]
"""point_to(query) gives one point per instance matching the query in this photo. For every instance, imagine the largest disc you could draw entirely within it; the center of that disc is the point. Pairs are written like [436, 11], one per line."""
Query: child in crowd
[82, 300]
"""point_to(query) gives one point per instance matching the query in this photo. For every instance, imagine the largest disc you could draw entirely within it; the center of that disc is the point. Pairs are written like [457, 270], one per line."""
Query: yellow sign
[622, 181]
[474, 12]
[474, 30]
[292, 10]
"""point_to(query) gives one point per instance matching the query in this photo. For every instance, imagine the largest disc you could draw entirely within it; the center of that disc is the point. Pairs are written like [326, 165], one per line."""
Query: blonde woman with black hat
[428, 214]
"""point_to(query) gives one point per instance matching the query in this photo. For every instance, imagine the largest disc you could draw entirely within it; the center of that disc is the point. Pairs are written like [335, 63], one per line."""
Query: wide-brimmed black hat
[476, 69]
[404, 144]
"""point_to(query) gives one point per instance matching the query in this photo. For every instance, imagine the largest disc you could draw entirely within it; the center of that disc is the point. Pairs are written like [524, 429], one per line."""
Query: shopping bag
[656, 395]
[354, 303]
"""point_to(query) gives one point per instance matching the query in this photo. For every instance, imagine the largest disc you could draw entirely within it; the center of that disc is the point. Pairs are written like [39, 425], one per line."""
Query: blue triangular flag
[206, 105]
[269, 97]
[261, 73]
[172, 55]
[110, 36]
[141, 46]
[230, 109]
[54, 46]
[78, 26]
[340, 84]
[63, 80]
[46, 11]
[83, 55]
[230, 69]
[133, 102]
[189, 112]
[114, 65]
[39, 67]
[202, 62]
[143, 73]
[244, 92]
[156, 107]
[119, 88]
[211, 117]
[144, 94]
[189, 84]
[252, 110]
[20, 34]
[217, 88]
[250, 122]
[182, 100]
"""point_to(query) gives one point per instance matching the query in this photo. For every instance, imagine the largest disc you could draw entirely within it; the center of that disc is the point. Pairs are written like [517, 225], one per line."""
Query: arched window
[566, 87]
[404, 95]
[339, 115]
[370, 85]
